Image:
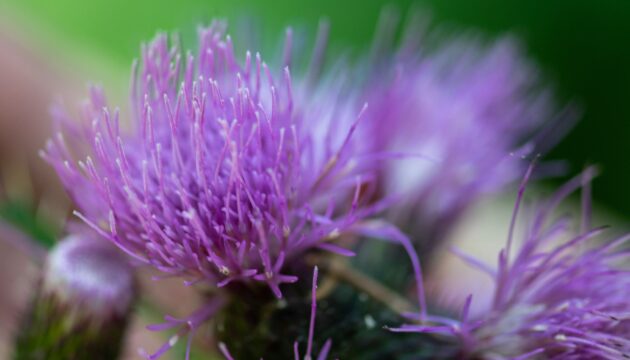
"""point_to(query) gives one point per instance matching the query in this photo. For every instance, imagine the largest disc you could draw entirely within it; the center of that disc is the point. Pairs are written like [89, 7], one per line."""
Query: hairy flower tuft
[561, 295]
[470, 111]
[220, 179]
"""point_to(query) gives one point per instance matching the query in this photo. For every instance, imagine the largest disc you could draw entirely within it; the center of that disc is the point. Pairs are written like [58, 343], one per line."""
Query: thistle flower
[82, 307]
[469, 112]
[225, 177]
[562, 295]
[219, 180]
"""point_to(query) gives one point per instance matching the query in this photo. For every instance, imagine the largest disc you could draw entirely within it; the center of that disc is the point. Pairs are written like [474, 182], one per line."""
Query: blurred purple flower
[562, 295]
[458, 117]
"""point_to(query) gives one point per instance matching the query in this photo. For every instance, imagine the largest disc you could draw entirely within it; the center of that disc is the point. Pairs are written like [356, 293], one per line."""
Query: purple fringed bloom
[469, 113]
[562, 295]
[220, 179]
[225, 176]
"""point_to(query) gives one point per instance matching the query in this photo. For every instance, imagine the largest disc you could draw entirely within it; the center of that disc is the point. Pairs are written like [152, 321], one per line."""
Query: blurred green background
[582, 47]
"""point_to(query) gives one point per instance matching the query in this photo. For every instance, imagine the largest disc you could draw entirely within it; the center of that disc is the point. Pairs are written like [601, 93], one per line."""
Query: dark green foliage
[262, 326]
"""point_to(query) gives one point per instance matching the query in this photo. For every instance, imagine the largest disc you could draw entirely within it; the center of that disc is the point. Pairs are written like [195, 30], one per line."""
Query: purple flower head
[221, 179]
[562, 294]
[469, 113]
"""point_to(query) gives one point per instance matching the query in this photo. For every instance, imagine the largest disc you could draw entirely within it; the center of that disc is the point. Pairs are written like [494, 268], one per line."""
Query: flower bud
[82, 305]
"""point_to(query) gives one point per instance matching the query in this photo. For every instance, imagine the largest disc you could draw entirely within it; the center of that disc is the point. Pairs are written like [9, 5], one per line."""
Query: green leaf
[22, 216]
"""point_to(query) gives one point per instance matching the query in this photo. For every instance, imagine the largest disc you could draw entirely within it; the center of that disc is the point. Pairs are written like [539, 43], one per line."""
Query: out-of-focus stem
[338, 267]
